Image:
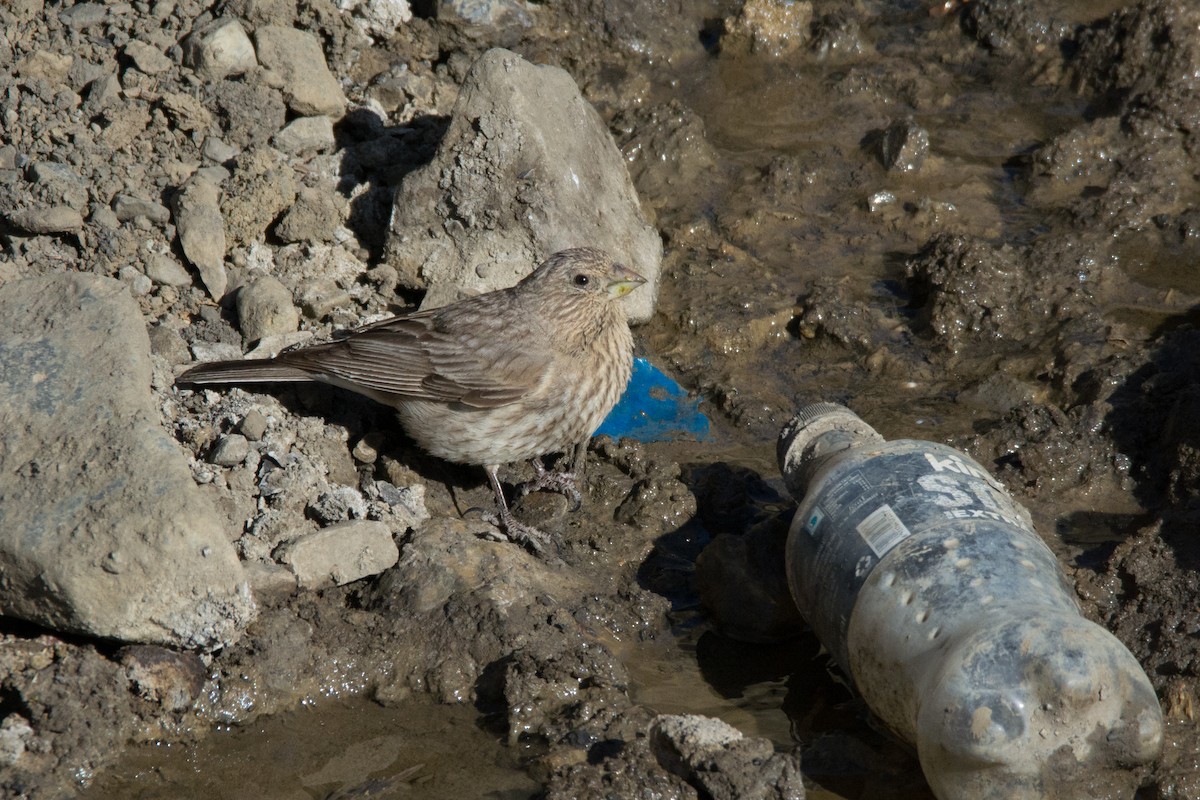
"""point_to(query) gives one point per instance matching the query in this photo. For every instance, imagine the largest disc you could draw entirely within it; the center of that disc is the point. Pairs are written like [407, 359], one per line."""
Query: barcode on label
[882, 530]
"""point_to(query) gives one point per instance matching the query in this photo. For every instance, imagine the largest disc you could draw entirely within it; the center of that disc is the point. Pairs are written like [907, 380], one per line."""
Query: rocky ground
[974, 223]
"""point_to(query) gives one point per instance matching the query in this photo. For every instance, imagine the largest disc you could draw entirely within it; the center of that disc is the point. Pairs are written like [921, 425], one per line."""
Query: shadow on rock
[375, 159]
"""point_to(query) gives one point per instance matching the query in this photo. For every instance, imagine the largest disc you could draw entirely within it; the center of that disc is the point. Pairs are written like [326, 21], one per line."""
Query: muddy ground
[975, 223]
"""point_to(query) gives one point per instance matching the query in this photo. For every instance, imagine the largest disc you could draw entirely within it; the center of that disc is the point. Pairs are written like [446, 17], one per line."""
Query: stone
[60, 181]
[218, 151]
[139, 285]
[263, 185]
[254, 425]
[52, 219]
[230, 450]
[314, 217]
[167, 343]
[130, 208]
[341, 553]
[265, 308]
[147, 58]
[526, 168]
[721, 763]
[83, 15]
[103, 217]
[188, 113]
[102, 93]
[339, 504]
[15, 737]
[903, 146]
[489, 14]
[305, 135]
[219, 49]
[270, 581]
[378, 18]
[103, 532]
[201, 230]
[742, 583]
[366, 450]
[309, 88]
[166, 271]
[44, 65]
[168, 678]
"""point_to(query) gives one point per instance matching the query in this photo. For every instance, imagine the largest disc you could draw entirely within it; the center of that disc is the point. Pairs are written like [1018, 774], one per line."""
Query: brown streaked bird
[506, 376]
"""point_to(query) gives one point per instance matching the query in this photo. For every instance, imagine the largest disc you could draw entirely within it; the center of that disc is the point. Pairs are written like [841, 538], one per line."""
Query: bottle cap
[816, 431]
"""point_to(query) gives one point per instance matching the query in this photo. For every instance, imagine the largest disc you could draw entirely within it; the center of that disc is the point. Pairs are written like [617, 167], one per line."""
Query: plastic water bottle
[927, 583]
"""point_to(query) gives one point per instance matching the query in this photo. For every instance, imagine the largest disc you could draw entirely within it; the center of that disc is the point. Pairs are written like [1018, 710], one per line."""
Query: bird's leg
[562, 482]
[579, 461]
[514, 529]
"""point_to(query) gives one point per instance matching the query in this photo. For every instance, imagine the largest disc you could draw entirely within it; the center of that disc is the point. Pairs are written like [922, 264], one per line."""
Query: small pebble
[138, 283]
[166, 271]
[254, 425]
[265, 308]
[230, 450]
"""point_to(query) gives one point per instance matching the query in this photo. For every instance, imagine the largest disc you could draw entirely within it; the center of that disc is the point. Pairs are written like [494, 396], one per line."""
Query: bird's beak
[624, 281]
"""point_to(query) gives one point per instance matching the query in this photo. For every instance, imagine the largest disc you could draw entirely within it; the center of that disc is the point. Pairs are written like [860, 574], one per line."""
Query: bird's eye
[581, 280]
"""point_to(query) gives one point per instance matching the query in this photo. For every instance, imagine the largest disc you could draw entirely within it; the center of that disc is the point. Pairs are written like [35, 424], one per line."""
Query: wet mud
[975, 223]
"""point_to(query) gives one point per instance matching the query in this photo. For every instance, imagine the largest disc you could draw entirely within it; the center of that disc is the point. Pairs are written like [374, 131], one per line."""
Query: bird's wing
[441, 355]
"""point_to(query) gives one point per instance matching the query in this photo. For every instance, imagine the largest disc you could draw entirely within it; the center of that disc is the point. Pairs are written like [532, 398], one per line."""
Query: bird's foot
[516, 531]
[564, 483]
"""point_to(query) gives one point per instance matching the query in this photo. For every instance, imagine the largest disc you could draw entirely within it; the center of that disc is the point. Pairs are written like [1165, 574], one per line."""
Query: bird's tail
[253, 370]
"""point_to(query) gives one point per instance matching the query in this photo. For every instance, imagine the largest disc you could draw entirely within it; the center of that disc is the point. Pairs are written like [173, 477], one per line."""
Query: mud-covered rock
[742, 583]
[574, 695]
[829, 308]
[103, 530]
[721, 763]
[770, 27]
[969, 292]
[526, 168]
[666, 148]
[166, 677]
[1140, 56]
[55, 729]
[902, 146]
[1016, 29]
[631, 771]
[1137, 597]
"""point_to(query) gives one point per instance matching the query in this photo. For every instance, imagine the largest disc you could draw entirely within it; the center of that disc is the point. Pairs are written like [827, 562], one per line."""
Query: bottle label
[882, 530]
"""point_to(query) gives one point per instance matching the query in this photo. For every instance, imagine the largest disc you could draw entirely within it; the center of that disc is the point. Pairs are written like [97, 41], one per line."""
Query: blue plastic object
[655, 408]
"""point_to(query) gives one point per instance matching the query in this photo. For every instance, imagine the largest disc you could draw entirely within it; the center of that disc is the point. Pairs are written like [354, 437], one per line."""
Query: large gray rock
[526, 168]
[102, 529]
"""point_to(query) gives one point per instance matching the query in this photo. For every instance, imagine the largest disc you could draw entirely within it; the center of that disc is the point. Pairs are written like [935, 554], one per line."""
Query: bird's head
[583, 276]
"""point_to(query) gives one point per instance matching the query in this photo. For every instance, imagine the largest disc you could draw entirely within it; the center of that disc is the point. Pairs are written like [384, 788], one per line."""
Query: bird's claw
[563, 483]
[516, 531]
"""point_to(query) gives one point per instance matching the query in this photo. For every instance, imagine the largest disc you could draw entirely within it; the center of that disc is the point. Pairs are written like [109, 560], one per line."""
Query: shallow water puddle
[352, 749]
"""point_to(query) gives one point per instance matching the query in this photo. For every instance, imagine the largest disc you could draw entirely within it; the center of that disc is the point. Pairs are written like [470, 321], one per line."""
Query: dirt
[975, 223]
